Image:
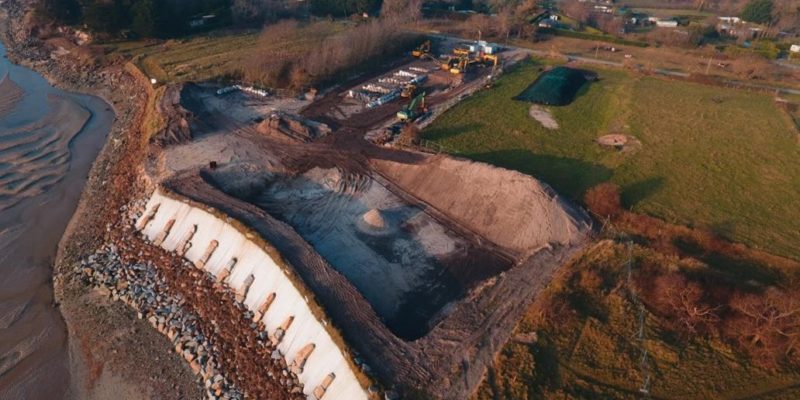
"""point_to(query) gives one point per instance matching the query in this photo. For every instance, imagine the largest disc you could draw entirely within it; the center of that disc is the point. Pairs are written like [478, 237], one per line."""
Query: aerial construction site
[372, 267]
[399, 200]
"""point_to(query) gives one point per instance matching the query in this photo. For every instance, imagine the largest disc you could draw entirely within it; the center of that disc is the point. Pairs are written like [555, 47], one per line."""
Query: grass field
[596, 353]
[209, 56]
[196, 58]
[710, 157]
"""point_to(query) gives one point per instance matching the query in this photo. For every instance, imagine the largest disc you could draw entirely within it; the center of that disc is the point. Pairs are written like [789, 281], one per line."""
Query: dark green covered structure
[556, 87]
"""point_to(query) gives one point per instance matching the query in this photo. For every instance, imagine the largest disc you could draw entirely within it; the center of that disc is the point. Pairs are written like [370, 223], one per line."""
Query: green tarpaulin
[556, 87]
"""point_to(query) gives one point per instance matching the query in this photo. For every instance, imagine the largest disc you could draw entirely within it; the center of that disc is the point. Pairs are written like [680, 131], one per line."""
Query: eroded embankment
[261, 282]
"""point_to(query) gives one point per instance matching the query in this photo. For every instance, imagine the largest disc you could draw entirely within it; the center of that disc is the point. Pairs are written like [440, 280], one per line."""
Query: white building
[667, 23]
[730, 20]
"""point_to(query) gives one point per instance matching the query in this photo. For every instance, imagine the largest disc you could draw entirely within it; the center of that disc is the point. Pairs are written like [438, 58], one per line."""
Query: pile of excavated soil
[10, 95]
[510, 209]
[374, 219]
[544, 116]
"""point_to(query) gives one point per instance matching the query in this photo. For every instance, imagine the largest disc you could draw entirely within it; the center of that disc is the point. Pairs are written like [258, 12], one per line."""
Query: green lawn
[718, 158]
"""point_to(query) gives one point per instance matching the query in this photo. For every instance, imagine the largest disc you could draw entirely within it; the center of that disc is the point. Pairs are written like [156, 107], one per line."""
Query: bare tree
[505, 20]
[766, 324]
[683, 301]
[576, 10]
[300, 66]
[611, 25]
[402, 10]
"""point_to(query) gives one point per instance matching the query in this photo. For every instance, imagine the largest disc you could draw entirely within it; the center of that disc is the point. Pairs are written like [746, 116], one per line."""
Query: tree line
[170, 18]
[317, 61]
[145, 18]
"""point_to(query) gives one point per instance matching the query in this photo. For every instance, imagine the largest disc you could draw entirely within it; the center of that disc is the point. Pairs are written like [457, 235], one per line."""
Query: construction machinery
[488, 60]
[409, 90]
[456, 64]
[461, 51]
[422, 50]
[413, 109]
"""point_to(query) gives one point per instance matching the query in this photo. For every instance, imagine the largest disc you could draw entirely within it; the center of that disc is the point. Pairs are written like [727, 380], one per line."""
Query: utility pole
[596, 49]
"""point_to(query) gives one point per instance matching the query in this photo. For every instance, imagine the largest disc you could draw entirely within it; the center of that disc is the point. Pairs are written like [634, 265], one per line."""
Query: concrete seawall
[214, 244]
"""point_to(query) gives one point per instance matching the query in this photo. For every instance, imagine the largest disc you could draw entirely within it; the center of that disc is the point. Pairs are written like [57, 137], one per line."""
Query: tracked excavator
[422, 50]
[413, 110]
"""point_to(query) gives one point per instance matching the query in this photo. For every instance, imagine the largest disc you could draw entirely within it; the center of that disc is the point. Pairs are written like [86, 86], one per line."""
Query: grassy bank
[584, 339]
[193, 59]
[710, 157]
[213, 55]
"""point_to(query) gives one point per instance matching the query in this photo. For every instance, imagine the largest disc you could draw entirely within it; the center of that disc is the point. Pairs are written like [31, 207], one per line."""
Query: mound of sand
[10, 95]
[512, 210]
[374, 219]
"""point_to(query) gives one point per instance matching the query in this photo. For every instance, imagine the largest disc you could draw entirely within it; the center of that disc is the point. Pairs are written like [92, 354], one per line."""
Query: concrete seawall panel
[216, 245]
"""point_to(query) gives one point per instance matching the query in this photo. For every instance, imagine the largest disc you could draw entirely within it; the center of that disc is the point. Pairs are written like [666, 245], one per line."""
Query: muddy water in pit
[48, 140]
[405, 263]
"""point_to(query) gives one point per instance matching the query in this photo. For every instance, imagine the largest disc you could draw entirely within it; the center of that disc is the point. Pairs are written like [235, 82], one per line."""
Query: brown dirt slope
[508, 201]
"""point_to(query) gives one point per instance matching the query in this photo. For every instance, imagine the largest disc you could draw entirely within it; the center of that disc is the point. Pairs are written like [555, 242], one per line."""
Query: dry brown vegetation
[687, 307]
[585, 336]
[410, 135]
[763, 322]
[747, 296]
[678, 239]
[604, 200]
[321, 59]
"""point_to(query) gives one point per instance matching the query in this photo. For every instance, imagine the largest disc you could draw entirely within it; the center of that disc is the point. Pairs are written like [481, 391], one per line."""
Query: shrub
[604, 200]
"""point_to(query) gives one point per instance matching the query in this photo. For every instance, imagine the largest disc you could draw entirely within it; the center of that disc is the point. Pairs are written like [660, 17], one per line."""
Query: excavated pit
[402, 260]
[424, 263]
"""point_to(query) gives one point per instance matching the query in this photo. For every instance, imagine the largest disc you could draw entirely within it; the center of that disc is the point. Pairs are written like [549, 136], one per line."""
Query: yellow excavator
[489, 60]
[460, 65]
[461, 51]
[421, 50]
